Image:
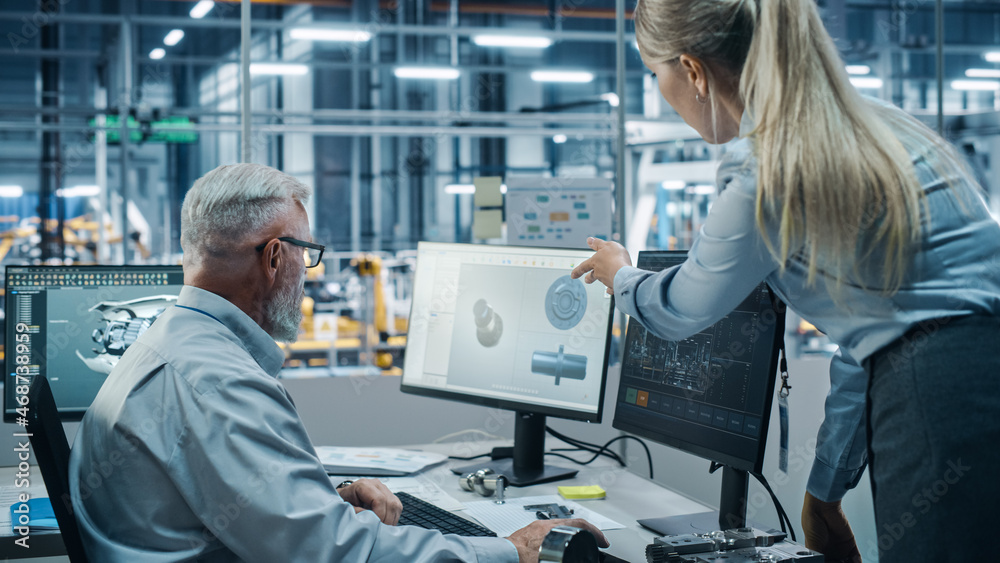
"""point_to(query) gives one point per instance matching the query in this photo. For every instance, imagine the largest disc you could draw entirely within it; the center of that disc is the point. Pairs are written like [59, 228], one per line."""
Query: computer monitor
[709, 394]
[71, 324]
[506, 327]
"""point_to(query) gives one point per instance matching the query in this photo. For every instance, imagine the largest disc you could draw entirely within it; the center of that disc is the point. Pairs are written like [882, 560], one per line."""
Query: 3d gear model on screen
[124, 322]
[489, 325]
[566, 302]
[559, 364]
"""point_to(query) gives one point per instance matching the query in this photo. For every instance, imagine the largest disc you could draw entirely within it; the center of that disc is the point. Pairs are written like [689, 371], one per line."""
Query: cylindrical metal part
[566, 544]
[559, 364]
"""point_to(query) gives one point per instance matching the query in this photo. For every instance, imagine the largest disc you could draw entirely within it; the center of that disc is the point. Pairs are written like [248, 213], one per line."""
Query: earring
[698, 97]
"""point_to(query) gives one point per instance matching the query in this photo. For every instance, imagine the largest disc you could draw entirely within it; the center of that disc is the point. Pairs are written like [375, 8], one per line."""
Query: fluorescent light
[701, 189]
[985, 85]
[982, 73]
[866, 82]
[460, 189]
[174, 37]
[201, 9]
[611, 98]
[993, 57]
[858, 69]
[561, 76]
[517, 41]
[673, 184]
[433, 73]
[157, 54]
[559, 139]
[79, 191]
[318, 34]
[282, 69]
[11, 191]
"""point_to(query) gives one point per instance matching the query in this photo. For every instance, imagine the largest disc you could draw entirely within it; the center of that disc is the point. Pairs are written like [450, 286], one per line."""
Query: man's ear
[270, 261]
[695, 73]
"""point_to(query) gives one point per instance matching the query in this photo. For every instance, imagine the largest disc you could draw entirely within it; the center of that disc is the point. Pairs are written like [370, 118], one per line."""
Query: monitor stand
[528, 465]
[733, 503]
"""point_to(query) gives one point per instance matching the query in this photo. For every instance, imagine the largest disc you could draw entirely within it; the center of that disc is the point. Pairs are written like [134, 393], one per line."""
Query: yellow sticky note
[586, 492]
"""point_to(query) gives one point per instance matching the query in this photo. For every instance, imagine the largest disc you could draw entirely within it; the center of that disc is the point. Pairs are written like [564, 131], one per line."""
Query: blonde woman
[866, 224]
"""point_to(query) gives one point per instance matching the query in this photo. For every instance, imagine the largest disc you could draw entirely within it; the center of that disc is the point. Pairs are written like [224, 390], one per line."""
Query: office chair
[48, 440]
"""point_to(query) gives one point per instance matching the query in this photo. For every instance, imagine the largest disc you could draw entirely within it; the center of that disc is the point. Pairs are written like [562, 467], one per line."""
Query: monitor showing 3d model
[709, 395]
[71, 324]
[506, 327]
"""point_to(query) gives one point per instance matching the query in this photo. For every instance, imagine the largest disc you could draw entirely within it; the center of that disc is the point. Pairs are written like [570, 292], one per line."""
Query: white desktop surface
[629, 497]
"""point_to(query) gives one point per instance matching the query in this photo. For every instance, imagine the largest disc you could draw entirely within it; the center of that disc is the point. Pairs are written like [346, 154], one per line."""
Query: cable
[593, 448]
[600, 451]
[782, 515]
[468, 458]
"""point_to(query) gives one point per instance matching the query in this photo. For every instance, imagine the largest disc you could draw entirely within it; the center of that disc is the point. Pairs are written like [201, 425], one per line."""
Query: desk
[628, 497]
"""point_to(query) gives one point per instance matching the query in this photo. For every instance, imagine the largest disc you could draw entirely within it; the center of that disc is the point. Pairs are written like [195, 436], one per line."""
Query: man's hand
[528, 539]
[371, 494]
[827, 531]
[604, 264]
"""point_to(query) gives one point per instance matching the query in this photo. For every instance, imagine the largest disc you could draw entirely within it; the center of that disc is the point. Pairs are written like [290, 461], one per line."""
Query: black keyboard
[419, 512]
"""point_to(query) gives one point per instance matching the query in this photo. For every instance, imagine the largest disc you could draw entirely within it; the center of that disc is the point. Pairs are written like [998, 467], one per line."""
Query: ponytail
[831, 171]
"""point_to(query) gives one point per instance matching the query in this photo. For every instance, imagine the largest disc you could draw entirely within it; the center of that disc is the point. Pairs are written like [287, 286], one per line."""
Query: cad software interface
[73, 323]
[710, 390]
[507, 323]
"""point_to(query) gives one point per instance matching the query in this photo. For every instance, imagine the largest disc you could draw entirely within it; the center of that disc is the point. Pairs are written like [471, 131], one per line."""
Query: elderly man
[193, 451]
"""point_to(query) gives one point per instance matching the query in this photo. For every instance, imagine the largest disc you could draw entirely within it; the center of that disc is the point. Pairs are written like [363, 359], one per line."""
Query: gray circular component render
[489, 325]
[566, 302]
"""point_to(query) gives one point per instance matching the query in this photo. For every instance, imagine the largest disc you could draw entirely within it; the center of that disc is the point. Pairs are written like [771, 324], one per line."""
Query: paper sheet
[505, 519]
[385, 460]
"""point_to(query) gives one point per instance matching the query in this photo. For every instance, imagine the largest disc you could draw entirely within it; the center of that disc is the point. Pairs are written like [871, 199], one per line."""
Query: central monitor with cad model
[71, 324]
[709, 395]
[506, 327]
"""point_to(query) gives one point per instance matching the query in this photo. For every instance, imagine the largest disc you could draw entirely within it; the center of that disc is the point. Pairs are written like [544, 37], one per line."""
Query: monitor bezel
[66, 415]
[507, 404]
[756, 465]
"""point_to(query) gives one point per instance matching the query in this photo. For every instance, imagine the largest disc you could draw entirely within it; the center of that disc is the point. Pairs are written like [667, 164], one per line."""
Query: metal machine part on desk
[740, 545]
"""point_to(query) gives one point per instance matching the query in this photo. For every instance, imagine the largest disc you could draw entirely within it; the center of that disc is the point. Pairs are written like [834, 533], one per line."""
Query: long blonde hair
[832, 172]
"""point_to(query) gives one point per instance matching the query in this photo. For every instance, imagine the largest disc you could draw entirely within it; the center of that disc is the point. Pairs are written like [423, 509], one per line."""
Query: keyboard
[418, 512]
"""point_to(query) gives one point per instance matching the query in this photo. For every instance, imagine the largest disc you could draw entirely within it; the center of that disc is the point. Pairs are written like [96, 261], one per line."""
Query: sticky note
[584, 492]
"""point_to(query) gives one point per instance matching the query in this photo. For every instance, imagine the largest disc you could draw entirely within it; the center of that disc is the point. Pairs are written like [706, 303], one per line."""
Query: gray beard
[284, 312]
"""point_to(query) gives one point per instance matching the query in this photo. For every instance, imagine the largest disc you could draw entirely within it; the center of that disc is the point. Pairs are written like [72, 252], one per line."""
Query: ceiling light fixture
[11, 191]
[279, 69]
[431, 73]
[514, 41]
[858, 69]
[982, 73]
[578, 77]
[559, 139]
[174, 37]
[201, 9]
[79, 191]
[157, 53]
[993, 56]
[871, 83]
[673, 184]
[979, 85]
[457, 189]
[319, 34]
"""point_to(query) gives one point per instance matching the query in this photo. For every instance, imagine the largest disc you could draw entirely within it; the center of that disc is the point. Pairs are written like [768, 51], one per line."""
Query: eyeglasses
[312, 253]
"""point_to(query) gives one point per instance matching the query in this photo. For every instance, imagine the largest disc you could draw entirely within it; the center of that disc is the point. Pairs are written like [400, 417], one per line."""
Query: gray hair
[233, 202]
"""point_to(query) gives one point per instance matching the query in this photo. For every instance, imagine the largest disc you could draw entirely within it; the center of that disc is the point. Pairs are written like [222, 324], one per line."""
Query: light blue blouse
[954, 272]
